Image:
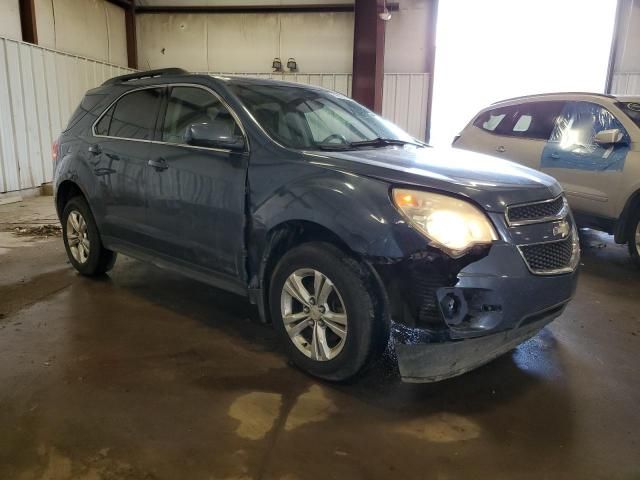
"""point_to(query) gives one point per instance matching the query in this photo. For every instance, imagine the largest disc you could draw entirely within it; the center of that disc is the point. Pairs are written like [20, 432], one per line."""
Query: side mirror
[609, 137]
[212, 135]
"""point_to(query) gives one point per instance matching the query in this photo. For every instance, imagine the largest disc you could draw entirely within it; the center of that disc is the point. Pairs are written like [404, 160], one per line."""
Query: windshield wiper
[383, 142]
[375, 142]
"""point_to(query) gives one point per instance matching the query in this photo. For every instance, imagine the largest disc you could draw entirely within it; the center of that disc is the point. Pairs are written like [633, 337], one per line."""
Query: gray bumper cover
[432, 362]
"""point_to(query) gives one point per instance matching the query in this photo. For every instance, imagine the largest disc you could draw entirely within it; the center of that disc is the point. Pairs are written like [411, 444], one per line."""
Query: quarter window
[489, 121]
[102, 127]
[133, 116]
[189, 105]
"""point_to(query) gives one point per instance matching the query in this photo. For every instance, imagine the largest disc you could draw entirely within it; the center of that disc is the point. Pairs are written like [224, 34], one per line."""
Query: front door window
[572, 143]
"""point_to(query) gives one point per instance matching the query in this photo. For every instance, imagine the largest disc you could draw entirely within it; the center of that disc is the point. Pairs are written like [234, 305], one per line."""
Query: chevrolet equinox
[345, 231]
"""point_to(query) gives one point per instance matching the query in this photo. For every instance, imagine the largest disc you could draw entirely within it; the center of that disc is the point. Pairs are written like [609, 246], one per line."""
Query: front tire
[82, 239]
[634, 238]
[326, 311]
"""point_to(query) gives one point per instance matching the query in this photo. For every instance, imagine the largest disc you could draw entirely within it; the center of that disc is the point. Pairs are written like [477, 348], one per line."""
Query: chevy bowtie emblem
[562, 229]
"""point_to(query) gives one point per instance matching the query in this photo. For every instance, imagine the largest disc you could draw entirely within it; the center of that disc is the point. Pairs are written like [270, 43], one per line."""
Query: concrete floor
[147, 375]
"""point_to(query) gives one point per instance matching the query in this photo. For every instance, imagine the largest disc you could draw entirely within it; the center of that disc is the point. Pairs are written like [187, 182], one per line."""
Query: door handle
[501, 149]
[160, 164]
[555, 156]
[95, 149]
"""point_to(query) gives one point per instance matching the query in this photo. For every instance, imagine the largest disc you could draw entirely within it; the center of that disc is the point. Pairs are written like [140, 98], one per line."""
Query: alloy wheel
[314, 314]
[78, 236]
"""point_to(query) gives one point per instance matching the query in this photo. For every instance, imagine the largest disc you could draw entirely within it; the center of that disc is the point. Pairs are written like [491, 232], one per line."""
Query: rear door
[515, 132]
[591, 174]
[122, 146]
[196, 195]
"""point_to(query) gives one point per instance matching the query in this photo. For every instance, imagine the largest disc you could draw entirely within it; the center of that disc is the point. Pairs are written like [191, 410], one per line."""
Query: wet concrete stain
[143, 374]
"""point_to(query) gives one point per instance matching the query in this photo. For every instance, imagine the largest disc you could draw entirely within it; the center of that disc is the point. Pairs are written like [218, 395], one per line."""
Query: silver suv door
[589, 172]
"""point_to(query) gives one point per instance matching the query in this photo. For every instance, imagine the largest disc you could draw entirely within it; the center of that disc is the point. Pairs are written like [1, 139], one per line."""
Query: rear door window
[531, 120]
[133, 116]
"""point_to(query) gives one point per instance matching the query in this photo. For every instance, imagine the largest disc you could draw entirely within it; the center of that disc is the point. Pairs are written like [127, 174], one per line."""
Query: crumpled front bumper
[432, 362]
[497, 303]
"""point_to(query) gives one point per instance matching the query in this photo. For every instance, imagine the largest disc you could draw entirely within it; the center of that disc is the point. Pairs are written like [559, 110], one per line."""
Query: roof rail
[146, 74]
[604, 95]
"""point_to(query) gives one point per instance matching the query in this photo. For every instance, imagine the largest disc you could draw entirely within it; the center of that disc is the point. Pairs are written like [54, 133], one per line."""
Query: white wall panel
[404, 98]
[406, 38]
[91, 28]
[39, 90]
[626, 84]
[246, 43]
[10, 19]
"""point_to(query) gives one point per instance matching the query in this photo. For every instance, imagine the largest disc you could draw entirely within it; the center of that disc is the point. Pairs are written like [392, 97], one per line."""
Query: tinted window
[528, 120]
[306, 118]
[188, 105]
[102, 127]
[490, 120]
[632, 109]
[134, 115]
[578, 125]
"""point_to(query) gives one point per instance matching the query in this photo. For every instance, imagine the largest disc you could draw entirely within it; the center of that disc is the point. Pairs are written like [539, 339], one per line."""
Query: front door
[589, 172]
[196, 195]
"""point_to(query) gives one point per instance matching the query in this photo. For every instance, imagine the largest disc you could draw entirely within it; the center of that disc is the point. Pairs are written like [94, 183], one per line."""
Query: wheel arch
[289, 234]
[65, 192]
[623, 227]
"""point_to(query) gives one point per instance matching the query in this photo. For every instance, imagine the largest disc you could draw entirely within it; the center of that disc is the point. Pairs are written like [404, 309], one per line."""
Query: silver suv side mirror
[608, 137]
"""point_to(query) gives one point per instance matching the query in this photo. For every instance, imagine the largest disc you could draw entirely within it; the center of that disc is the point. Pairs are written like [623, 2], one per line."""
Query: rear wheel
[326, 312]
[634, 238]
[82, 239]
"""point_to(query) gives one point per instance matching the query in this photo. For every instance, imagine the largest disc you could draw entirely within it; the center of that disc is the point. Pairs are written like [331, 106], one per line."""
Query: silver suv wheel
[78, 237]
[314, 314]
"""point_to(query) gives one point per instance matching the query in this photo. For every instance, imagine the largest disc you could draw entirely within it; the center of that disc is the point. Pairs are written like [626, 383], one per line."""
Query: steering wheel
[335, 136]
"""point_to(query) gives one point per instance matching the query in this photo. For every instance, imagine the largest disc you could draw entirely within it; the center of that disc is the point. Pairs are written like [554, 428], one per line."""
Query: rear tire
[634, 238]
[82, 240]
[326, 311]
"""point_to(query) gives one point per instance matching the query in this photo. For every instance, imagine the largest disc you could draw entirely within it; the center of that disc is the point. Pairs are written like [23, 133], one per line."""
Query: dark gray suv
[341, 228]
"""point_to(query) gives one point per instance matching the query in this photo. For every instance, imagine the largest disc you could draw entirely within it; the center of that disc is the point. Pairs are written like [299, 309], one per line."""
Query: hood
[489, 181]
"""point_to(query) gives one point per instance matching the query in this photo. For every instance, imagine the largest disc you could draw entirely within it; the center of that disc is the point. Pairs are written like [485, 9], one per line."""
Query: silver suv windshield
[632, 109]
[309, 119]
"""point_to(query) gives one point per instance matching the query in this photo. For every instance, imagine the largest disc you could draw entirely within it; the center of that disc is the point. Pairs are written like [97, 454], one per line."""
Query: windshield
[632, 109]
[308, 119]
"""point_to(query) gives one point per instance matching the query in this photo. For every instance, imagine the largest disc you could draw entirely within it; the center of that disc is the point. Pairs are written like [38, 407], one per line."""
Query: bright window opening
[491, 50]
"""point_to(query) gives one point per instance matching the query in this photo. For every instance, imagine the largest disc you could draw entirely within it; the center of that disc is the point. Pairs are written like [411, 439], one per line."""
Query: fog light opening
[450, 306]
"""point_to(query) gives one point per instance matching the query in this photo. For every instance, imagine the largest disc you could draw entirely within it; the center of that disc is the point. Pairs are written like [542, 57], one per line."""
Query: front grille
[552, 257]
[536, 212]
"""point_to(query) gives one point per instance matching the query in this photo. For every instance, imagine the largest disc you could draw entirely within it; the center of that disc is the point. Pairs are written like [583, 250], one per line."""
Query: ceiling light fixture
[385, 15]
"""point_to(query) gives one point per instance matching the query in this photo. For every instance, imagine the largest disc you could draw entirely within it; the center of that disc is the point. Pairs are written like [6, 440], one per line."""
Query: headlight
[451, 224]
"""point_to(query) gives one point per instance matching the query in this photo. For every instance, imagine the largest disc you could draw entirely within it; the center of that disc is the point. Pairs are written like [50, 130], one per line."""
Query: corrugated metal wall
[39, 89]
[626, 84]
[404, 98]
[405, 101]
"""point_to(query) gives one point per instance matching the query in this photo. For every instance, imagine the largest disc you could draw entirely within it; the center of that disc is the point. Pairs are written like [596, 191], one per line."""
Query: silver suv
[589, 142]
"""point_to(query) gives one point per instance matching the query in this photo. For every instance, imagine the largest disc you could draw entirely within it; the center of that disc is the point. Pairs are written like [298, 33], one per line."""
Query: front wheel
[82, 240]
[634, 238]
[326, 311]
